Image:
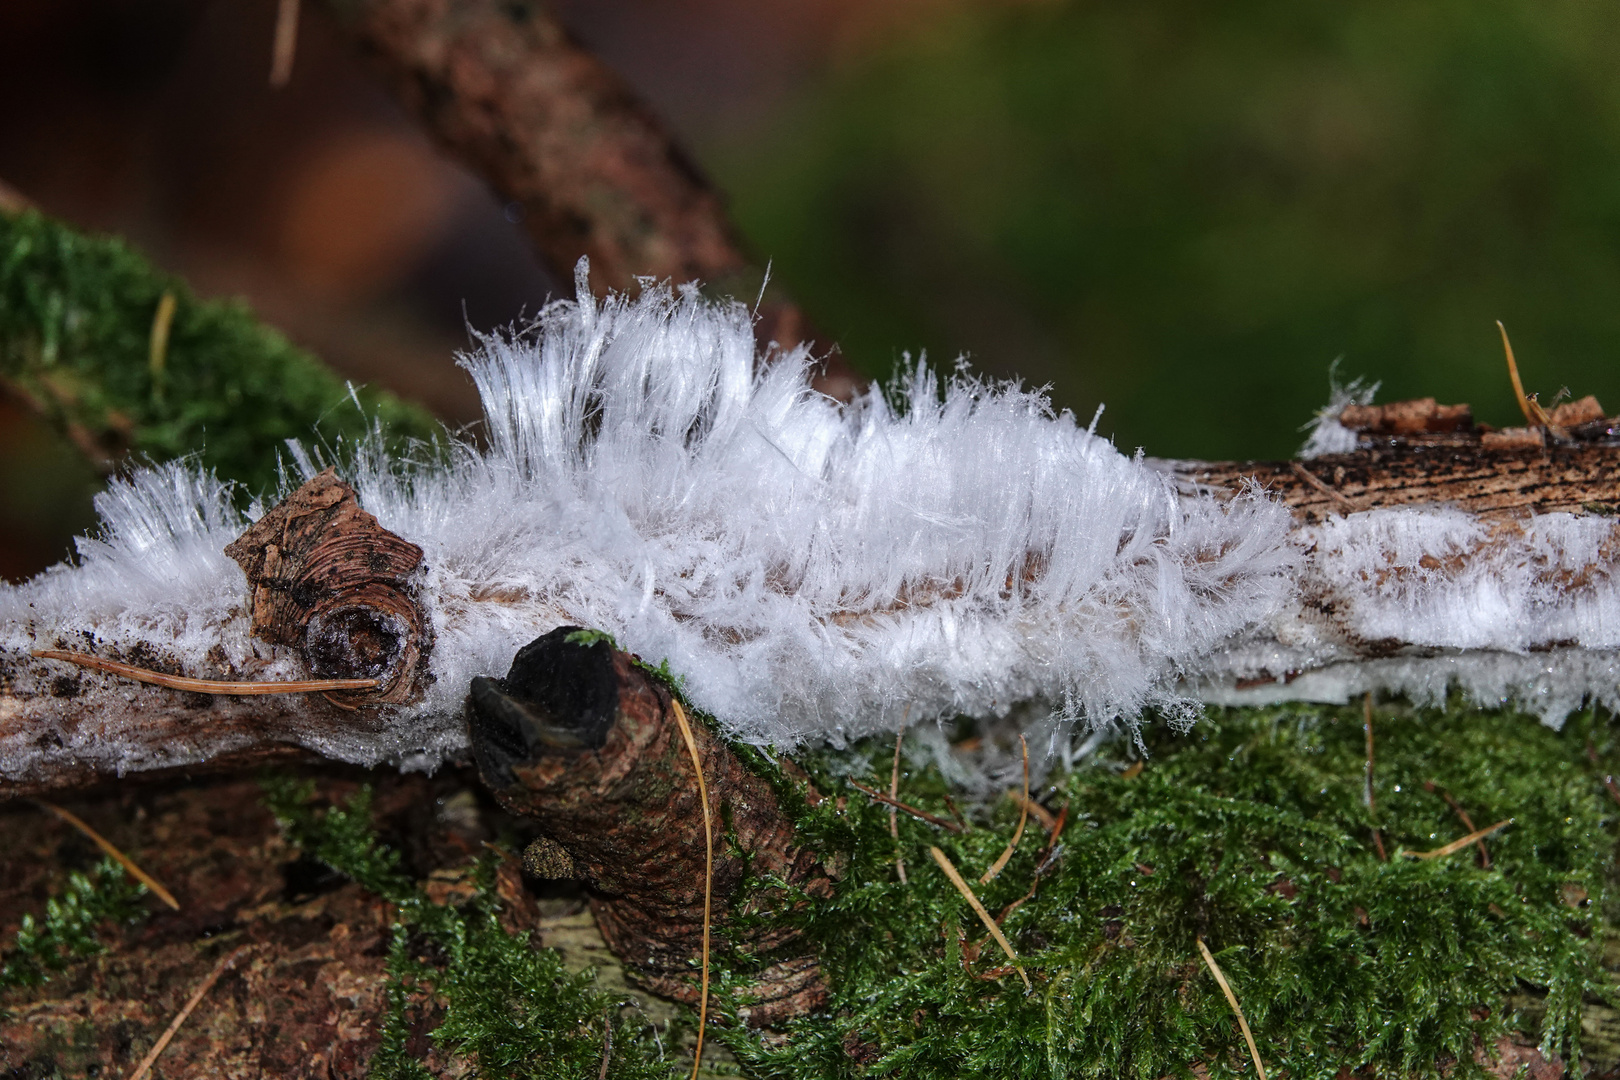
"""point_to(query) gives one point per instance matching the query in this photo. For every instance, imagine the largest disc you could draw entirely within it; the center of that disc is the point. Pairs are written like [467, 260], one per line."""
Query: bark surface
[585, 743]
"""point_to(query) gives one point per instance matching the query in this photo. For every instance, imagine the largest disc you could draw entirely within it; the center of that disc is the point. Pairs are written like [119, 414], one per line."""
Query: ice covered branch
[815, 570]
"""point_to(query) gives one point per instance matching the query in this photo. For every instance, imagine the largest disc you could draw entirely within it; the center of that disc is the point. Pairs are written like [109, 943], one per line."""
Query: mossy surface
[76, 319]
[511, 1008]
[68, 929]
[1251, 833]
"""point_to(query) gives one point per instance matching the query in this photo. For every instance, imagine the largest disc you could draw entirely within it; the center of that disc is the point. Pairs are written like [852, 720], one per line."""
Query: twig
[708, 879]
[922, 815]
[1023, 819]
[1457, 845]
[607, 1044]
[978, 908]
[1468, 822]
[106, 845]
[1316, 482]
[950, 804]
[180, 1018]
[1231, 999]
[1039, 812]
[894, 814]
[286, 44]
[203, 686]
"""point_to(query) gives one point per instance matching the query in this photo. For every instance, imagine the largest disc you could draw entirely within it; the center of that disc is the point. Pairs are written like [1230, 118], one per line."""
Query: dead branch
[580, 739]
[507, 90]
[326, 582]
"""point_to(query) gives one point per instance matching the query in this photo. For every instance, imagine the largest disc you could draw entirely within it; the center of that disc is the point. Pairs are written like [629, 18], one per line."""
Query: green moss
[67, 931]
[76, 315]
[511, 1008]
[1252, 834]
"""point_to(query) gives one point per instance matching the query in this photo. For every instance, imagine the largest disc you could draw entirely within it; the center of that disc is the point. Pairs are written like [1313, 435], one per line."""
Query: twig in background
[894, 813]
[921, 815]
[203, 686]
[708, 879]
[1468, 822]
[1457, 845]
[1231, 999]
[607, 1045]
[1023, 819]
[180, 1018]
[286, 44]
[978, 908]
[106, 845]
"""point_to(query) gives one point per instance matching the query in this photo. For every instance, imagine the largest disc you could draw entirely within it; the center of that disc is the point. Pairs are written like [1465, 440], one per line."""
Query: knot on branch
[328, 580]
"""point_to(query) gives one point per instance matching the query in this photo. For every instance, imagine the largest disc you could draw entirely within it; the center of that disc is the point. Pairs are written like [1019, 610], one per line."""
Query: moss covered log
[88, 339]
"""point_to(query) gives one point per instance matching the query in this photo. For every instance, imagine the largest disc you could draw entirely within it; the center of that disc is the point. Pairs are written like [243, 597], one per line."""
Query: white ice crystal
[811, 569]
[820, 571]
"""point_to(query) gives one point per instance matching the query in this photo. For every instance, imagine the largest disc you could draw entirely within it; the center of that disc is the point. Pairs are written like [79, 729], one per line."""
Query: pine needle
[1534, 414]
[978, 909]
[894, 813]
[180, 1018]
[1023, 819]
[1231, 999]
[708, 879]
[286, 44]
[203, 686]
[158, 347]
[1457, 845]
[106, 845]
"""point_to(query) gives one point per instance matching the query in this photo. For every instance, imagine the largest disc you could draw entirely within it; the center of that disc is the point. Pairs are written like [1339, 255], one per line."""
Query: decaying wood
[324, 578]
[331, 582]
[584, 742]
[1415, 453]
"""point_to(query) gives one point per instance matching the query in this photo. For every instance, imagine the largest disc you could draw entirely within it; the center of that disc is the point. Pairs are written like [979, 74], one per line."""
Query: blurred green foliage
[1190, 210]
[76, 340]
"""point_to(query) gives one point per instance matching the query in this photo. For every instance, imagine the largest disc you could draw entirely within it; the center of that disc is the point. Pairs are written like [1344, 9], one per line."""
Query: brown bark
[506, 89]
[1491, 483]
[330, 581]
[584, 742]
[1418, 452]
[324, 578]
